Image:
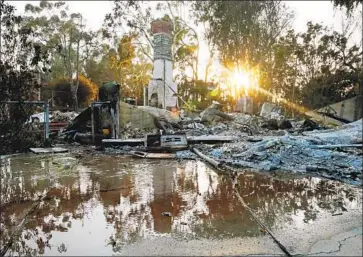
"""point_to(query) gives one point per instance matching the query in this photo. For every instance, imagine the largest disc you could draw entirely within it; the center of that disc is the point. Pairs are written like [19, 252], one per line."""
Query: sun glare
[241, 79]
[241, 82]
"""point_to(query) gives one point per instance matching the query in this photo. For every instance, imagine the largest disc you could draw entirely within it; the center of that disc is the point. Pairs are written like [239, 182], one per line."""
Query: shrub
[87, 92]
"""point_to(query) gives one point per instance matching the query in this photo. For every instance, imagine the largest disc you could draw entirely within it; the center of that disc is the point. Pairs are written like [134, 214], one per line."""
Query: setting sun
[241, 79]
[241, 82]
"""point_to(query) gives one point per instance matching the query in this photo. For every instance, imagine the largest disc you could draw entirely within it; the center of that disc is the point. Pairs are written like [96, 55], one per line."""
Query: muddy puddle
[102, 205]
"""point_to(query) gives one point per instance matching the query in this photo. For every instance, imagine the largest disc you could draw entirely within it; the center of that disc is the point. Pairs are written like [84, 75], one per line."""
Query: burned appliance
[167, 142]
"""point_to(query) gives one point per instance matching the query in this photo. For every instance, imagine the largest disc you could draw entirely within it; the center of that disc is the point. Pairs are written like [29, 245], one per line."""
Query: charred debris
[267, 141]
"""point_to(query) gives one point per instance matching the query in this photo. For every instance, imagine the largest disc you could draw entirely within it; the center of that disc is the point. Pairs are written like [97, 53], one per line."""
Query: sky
[316, 11]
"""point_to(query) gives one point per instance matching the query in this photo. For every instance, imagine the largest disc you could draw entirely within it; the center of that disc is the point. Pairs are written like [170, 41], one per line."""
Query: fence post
[145, 96]
[46, 122]
[113, 118]
[117, 129]
[93, 123]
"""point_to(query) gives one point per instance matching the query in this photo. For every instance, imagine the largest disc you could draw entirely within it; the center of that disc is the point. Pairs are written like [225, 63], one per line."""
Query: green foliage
[350, 5]
[63, 35]
[249, 34]
[245, 33]
[166, 18]
[329, 88]
[321, 65]
[138, 15]
[185, 47]
[122, 63]
[299, 67]
[19, 69]
[199, 93]
[242, 31]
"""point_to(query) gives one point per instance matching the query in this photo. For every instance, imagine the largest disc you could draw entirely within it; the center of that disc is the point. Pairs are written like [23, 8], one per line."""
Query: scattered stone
[270, 124]
[309, 125]
[271, 111]
[186, 154]
[284, 124]
[58, 116]
[65, 218]
[336, 214]
[254, 139]
[194, 125]
[316, 169]
[213, 114]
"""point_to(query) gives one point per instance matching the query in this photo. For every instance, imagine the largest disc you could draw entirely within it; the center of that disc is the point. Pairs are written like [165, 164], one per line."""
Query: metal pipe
[176, 94]
[93, 123]
[99, 103]
[25, 102]
[46, 121]
[44, 118]
[164, 87]
[214, 163]
[112, 111]
[145, 96]
[117, 119]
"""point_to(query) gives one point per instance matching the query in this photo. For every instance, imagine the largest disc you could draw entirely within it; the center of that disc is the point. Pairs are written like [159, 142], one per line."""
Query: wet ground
[115, 205]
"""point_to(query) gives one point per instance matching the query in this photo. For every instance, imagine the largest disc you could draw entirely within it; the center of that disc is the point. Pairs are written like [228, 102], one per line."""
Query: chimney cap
[162, 26]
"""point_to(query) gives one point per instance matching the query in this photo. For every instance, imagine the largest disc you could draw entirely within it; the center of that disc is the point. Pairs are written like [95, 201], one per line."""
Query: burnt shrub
[87, 92]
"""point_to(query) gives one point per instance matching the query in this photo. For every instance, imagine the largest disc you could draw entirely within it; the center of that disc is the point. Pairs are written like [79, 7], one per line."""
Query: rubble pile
[58, 116]
[55, 116]
[258, 125]
[277, 143]
[267, 141]
[331, 153]
[128, 132]
[236, 127]
[347, 134]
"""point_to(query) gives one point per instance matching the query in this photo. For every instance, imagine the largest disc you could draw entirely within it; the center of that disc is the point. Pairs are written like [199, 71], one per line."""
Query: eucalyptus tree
[136, 17]
[350, 5]
[317, 67]
[63, 34]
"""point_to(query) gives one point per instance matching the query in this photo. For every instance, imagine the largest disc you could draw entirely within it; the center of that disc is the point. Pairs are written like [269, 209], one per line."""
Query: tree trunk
[359, 103]
[75, 89]
[70, 68]
[75, 86]
[75, 99]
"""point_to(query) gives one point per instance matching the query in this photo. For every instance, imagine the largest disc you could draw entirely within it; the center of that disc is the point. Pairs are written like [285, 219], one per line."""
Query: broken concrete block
[270, 111]
[169, 116]
[137, 117]
[213, 113]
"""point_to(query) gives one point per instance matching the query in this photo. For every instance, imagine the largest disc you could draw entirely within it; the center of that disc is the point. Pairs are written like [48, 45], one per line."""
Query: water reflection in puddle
[97, 205]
